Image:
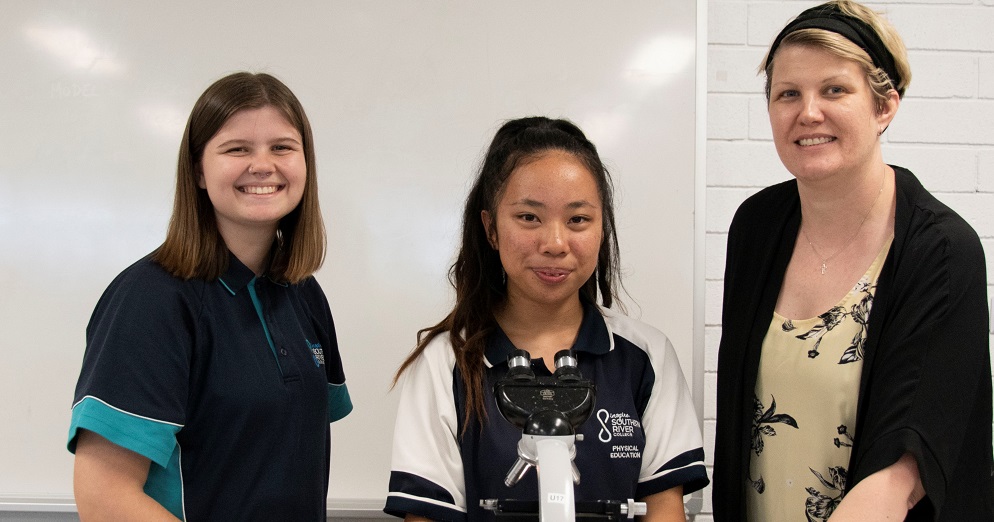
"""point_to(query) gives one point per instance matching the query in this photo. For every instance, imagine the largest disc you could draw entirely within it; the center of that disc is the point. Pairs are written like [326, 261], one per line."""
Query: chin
[809, 172]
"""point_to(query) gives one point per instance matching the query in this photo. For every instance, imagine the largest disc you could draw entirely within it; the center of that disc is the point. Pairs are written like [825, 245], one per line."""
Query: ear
[887, 109]
[490, 229]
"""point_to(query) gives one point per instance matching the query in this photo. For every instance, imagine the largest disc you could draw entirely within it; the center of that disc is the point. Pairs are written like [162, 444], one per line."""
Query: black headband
[829, 18]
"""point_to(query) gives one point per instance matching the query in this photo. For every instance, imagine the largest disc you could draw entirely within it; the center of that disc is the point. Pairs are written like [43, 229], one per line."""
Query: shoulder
[149, 274]
[309, 286]
[643, 336]
[436, 362]
[768, 205]
[439, 352]
[309, 292]
[927, 229]
[148, 285]
[757, 228]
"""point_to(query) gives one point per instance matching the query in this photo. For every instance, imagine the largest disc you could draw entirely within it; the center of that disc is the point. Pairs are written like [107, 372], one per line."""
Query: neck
[539, 316]
[250, 247]
[540, 328]
[833, 209]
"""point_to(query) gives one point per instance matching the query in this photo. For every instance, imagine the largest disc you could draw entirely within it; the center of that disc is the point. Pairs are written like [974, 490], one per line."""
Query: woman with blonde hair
[854, 378]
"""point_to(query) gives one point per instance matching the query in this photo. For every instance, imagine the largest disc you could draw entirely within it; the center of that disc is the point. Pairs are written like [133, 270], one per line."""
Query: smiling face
[548, 231]
[254, 172]
[824, 117]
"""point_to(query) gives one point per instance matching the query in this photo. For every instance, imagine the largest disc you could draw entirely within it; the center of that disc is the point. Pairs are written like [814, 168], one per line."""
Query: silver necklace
[825, 260]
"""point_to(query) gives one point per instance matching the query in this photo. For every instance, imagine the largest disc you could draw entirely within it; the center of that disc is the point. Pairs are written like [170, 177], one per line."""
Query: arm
[426, 471]
[885, 495]
[108, 482]
[930, 368]
[665, 506]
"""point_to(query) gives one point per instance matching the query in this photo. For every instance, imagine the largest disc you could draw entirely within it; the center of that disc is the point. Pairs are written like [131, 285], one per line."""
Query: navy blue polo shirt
[643, 437]
[227, 386]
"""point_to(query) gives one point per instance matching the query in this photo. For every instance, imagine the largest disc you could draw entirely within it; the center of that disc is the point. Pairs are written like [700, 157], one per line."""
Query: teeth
[814, 141]
[260, 190]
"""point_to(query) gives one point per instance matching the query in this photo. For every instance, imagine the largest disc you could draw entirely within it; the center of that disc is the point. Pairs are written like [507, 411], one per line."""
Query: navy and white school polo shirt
[227, 386]
[643, 437]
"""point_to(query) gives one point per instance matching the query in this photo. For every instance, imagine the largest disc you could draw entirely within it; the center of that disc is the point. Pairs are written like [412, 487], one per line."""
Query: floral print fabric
[805, 408]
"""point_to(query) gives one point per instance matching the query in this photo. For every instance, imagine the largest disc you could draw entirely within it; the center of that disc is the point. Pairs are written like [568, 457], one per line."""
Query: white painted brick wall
[986, 73]
[944, 130]
[943, 75]
[944, 27]
[727, 117]
[943, 121]
[725, 22]
[985, 175]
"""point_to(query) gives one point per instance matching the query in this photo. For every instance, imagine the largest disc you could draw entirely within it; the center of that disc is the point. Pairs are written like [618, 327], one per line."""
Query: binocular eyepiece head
[519, 363]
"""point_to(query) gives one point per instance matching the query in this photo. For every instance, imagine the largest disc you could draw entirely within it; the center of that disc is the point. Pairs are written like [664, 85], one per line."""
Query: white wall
[403, 98]
[944, 131]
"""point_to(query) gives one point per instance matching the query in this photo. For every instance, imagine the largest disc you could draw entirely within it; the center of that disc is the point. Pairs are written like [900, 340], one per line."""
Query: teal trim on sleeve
[148, 437]
[165, 485]
[339, 402]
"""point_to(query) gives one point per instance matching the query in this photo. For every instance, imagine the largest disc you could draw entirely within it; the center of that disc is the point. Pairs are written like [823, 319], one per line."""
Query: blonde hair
[836, 44]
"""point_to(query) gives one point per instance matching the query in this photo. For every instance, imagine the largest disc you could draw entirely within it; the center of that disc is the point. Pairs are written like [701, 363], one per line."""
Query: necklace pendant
[823, 267]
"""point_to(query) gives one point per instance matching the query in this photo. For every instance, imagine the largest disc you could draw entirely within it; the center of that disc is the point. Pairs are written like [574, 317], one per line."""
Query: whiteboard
[403, 98]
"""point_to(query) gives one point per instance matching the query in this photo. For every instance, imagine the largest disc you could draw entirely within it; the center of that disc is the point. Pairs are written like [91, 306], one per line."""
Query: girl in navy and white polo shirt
[538, 250]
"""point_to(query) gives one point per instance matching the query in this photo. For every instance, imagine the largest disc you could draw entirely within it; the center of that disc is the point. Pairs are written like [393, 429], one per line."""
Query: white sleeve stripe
[101, 401]
[671, 470]
[427, 501]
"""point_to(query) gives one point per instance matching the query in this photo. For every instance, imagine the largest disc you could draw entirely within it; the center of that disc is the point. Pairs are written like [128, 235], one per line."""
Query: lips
[260, 190]
[551, 275]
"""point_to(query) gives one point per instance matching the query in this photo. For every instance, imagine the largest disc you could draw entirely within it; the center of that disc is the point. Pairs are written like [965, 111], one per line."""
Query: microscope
[549, 410]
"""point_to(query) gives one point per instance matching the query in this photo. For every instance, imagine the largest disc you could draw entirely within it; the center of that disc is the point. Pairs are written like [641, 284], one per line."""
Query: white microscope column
[555, 478]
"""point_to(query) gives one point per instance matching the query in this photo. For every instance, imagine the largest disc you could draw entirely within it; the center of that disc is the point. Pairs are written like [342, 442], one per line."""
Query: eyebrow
[528, 202]
[833, 78]
[239, 141]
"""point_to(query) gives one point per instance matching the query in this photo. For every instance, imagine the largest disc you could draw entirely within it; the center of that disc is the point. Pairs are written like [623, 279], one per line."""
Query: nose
[554, 241]
[262, 165]
[811, 110]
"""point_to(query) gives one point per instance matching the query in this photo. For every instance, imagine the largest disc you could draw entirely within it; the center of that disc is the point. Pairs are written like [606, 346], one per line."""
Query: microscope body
[549, 410]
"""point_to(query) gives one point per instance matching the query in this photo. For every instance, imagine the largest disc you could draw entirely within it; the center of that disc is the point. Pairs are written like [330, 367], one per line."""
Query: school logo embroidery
[616, 427]
[316, 352]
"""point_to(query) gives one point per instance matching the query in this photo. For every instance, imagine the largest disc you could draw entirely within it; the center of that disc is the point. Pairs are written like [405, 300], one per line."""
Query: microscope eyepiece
[519, 358]
[565, 358]
[566, 370]
[519, 367]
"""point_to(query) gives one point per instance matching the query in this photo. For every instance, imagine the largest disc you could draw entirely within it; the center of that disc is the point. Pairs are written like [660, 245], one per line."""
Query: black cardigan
[925, 386]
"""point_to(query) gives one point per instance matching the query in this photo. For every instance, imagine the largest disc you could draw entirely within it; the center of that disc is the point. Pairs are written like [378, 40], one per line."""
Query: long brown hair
[193, 247]
[477, 274]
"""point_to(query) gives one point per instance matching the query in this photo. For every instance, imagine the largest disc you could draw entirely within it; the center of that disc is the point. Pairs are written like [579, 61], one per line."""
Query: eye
[236, 150]
[527, 217]
[835, 90]
[578, 220]
[788, 94]
[283, 148]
